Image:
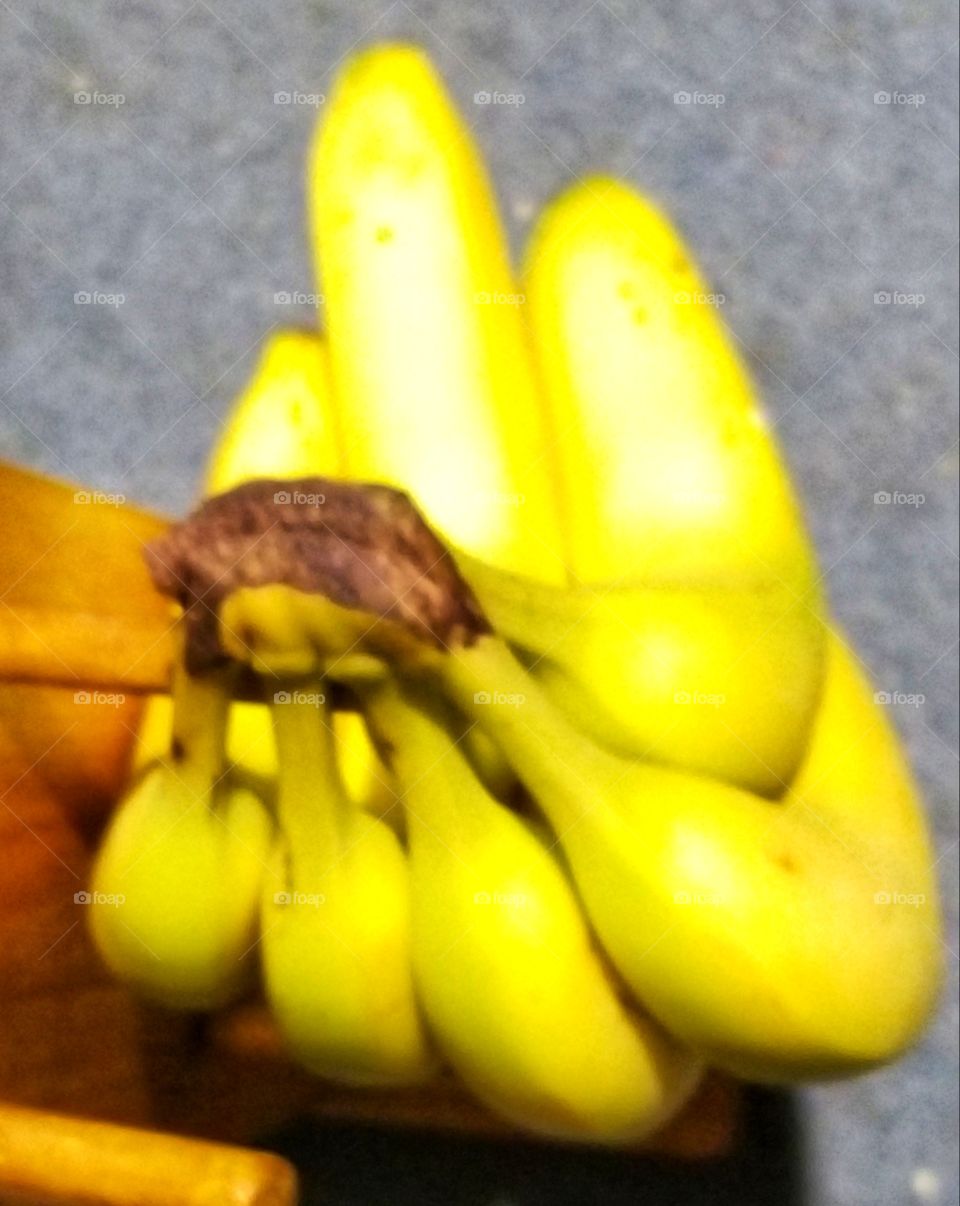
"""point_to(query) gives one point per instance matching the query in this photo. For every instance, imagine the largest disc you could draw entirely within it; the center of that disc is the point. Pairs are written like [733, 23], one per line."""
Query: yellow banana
[517, 996]
[335, 917]
[431, 372]
[668, 471]
[176, 882]
[749, 928]
[721, 681]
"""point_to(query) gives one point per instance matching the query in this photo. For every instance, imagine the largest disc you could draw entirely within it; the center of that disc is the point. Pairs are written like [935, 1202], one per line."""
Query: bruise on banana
[365, 547]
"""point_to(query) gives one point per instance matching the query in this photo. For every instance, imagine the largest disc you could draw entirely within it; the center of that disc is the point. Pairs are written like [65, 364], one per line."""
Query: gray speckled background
[803, 198]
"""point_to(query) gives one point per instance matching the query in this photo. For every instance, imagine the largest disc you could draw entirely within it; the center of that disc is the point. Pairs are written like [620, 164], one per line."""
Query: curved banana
[670, 478]
[748, 928]
[720, 681]
[176, 881]
[432, 376]
[335, 917]
[517, 996]
[668, 469]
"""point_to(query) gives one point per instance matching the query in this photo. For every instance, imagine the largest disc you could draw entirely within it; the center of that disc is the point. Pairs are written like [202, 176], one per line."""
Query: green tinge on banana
[181, 865]
[335, 915]
[514, 991]
[721, 681]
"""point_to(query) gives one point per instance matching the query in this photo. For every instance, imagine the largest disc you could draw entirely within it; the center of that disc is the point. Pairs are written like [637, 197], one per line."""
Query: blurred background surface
[151, 209]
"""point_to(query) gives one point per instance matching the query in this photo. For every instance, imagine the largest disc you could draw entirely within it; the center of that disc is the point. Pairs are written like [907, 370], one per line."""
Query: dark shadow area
[347, 1165]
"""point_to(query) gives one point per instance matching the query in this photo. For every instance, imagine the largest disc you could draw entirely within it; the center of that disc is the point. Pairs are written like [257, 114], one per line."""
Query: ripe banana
[432, 376]
[335, 916]
[704, 895]
[642, 382]
[721, 681]
[668, 471]
[516, 995]
[748, 928]
[176, 883]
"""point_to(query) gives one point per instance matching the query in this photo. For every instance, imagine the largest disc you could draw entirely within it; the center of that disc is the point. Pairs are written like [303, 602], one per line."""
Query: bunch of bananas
[643, 819]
